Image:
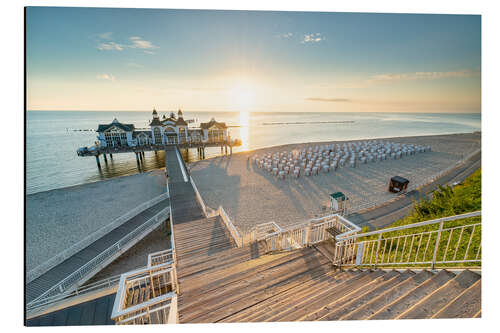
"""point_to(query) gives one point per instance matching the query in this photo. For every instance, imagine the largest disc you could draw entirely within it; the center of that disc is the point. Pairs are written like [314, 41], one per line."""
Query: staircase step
[259, 294]
[432, 282]
[325, 297]
[295, 291]
[388, 296]
[223, 283]
[441, 296]
[465, 305]
[335, 310]
[220, 303]
[283, 304]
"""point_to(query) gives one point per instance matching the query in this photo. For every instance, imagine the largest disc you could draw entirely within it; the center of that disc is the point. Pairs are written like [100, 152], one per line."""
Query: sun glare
[244, 129]
[242, 97]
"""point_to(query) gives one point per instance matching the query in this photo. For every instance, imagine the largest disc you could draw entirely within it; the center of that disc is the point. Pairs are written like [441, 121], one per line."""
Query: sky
[199, 60]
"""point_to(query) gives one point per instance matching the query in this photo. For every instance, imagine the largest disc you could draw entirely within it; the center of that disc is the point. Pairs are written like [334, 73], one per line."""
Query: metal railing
[314, 231]
[145, 296]
[445, 241]
[47, 265]
[107, 283]
[86, 271]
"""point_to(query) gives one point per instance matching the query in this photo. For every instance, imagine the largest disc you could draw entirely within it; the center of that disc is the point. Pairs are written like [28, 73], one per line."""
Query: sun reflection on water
[244, 125]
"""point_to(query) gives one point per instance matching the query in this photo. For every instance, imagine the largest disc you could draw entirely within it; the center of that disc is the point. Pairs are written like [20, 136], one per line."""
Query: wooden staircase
[242, 285]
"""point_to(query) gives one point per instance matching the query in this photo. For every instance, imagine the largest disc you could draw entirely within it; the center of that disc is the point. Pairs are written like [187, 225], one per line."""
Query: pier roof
[115, 123]
[211, 123]
[181, 121]
[155, 122]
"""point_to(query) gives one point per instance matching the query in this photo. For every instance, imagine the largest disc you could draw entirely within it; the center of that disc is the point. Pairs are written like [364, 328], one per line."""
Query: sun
[242, 96]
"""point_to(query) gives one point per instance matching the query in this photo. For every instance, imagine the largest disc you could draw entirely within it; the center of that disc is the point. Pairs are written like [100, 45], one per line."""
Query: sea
[52, 137]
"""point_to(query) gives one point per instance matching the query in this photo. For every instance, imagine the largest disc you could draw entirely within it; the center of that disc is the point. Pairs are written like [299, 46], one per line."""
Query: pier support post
[98, 162]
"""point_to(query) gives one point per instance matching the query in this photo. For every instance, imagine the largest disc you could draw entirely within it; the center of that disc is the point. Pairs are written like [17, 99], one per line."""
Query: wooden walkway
[58, 273]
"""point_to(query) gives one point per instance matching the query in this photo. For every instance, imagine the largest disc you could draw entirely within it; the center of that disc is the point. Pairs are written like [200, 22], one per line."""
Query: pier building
[117, 137]
[168, 130]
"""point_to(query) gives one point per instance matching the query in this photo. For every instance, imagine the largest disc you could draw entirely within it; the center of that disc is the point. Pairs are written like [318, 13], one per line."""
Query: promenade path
[385, 215]
[58, 273]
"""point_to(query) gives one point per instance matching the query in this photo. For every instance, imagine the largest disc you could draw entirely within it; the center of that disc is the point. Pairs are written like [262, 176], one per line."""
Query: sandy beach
[57, 219]
[251, 195]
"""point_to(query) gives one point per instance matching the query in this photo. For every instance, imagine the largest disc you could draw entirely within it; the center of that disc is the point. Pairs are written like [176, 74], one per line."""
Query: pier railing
[56, 260]
[86, 271]
[445, 241]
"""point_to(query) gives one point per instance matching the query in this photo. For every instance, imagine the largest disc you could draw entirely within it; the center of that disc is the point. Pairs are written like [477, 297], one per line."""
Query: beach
[57, 219]
[251, 195]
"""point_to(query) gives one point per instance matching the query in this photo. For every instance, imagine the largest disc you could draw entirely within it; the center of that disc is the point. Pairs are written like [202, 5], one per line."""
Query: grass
[455, 243]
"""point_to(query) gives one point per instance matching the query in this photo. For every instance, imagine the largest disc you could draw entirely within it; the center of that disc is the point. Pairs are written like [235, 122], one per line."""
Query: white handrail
[423, 248]
[230, 226]
[413, 225]
[75, 248]
[198, 197]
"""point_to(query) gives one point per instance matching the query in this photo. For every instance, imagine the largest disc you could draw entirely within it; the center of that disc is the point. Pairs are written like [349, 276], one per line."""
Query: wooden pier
[226, 148]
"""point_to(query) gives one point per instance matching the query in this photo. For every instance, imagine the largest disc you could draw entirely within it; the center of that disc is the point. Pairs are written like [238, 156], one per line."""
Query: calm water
[51, 160]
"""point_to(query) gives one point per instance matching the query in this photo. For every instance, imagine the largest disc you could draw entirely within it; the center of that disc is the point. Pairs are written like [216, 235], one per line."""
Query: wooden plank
[435, 301]
[465, 305]
[249, 288]
[385, 298]
[302, 289]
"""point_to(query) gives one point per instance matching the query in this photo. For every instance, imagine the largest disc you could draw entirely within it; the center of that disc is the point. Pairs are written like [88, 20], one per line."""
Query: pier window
[157, 135]
[215, 135]
[115, 139]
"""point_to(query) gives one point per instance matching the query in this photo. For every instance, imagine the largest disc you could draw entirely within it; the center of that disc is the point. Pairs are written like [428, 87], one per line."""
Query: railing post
[376, 252]
[308, 233]
[437, 244]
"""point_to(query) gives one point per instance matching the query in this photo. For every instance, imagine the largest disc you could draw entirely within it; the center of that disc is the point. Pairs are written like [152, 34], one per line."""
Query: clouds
[286, 35]
[110, 46]
[312, 38]
[105, 35]
[106, 77]
[426, 75]
[138, 42]
[105, 43]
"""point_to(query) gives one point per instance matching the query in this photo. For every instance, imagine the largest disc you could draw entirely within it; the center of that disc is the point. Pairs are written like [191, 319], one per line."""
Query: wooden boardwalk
[58, 273]
[220, 282]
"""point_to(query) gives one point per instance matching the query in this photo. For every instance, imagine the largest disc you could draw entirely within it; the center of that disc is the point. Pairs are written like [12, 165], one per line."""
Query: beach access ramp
[72, 272]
